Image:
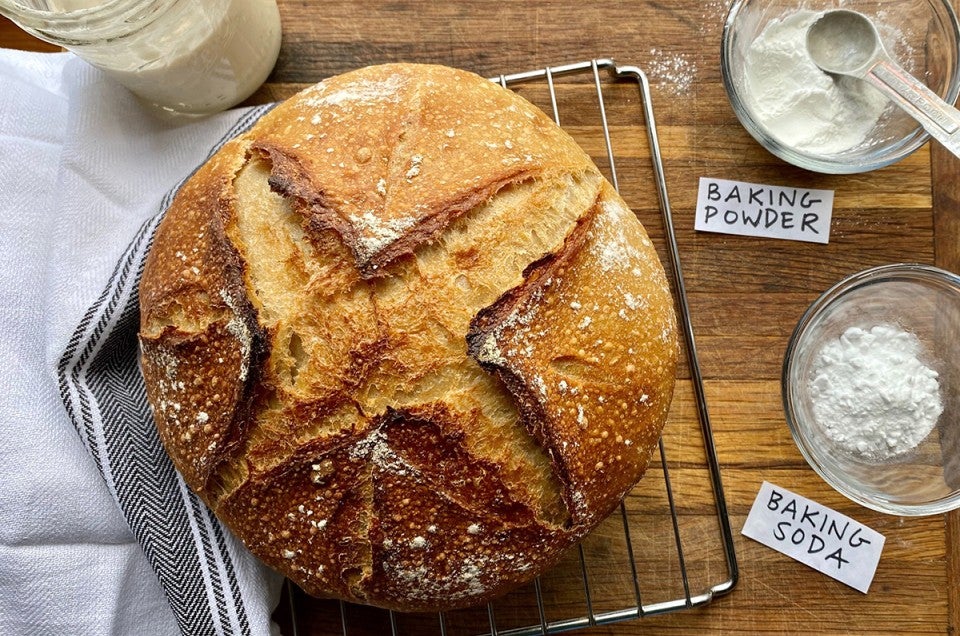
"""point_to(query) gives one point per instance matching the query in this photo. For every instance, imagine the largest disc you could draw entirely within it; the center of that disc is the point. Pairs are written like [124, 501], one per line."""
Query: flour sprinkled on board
[674, 72]
[714, 10]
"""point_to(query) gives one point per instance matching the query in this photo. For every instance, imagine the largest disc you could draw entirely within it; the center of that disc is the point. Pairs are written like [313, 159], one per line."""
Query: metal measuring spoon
[846, 42]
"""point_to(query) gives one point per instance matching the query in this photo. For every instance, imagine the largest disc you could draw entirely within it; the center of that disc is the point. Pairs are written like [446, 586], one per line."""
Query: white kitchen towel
[99, 534]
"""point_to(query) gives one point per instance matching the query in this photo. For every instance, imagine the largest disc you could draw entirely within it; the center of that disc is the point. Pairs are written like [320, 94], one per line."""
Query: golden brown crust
[389, 186]
[200, 328]
[404, 340]
[608, 358]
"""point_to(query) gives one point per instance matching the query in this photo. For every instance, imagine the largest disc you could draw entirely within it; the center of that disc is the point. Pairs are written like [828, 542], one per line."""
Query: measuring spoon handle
[937, 117]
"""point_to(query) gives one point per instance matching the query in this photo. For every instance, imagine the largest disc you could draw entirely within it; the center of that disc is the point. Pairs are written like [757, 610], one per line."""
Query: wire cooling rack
[670, 547]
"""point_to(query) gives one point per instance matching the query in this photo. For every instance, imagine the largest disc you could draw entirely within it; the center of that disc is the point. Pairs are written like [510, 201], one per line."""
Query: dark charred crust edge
[431, 226]
[535, 278]
[488, 322]
[432, 417]
[289, 179]
[239, 306]
[287, 176]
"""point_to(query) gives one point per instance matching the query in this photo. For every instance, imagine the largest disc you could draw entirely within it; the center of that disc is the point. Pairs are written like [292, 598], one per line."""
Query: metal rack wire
[529, 612]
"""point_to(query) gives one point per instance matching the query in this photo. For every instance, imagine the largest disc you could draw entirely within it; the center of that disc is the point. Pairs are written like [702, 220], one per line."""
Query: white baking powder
[871, 393]
[797, 103]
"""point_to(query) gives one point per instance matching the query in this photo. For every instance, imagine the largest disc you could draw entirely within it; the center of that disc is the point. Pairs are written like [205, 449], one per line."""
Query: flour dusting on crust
[426, 350]
[362, 91]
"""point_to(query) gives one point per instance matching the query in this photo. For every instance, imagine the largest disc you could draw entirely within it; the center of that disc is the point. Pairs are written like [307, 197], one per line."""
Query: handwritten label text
[751, 209]
[822, 538]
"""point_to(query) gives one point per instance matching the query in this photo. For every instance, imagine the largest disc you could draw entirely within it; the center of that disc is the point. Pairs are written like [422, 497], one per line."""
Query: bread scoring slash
[405, 340]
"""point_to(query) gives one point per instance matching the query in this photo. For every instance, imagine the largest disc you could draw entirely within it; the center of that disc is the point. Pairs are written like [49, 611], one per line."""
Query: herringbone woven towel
[103, 392]
[86, 171]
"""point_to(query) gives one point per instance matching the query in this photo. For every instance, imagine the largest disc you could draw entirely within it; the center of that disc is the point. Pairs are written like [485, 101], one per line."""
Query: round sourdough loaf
[405, 340]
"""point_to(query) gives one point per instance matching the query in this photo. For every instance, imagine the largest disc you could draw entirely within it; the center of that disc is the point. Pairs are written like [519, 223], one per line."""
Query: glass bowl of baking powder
[871, 383]
[836, 125]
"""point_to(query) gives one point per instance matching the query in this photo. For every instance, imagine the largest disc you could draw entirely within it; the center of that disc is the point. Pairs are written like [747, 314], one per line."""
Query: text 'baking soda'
[823, 539]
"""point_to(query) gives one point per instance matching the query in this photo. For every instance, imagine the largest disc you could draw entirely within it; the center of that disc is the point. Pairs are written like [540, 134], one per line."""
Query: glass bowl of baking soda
[836, 125]
[871, 383]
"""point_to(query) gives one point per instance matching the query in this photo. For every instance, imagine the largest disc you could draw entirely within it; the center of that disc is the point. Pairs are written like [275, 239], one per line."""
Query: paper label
[752, 209]
[824, 539]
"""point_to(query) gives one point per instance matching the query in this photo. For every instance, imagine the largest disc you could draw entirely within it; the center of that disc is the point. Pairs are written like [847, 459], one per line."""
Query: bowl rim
[869, 276]
[902, 148]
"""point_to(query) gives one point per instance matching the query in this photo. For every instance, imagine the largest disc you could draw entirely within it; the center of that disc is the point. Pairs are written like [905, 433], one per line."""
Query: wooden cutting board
[745, 294]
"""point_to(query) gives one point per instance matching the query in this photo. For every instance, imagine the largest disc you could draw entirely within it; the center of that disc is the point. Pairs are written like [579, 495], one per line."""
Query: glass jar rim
[920, 273]
[108, 19]
[895, 152]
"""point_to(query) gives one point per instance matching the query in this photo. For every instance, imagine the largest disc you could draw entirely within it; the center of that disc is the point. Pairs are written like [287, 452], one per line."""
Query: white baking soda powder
[871, 393]
[797, 103]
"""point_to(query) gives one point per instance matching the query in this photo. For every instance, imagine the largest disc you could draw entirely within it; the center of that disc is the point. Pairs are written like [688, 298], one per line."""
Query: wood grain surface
[745, 297]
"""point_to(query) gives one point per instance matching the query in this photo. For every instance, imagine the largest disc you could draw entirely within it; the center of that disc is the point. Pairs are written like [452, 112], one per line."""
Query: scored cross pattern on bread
[405, 340]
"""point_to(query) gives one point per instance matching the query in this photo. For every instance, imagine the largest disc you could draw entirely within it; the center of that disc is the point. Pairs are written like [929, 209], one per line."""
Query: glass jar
[184, 56]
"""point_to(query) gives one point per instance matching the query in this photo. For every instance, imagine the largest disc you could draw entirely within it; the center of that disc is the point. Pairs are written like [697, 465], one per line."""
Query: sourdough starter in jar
[184, 56]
